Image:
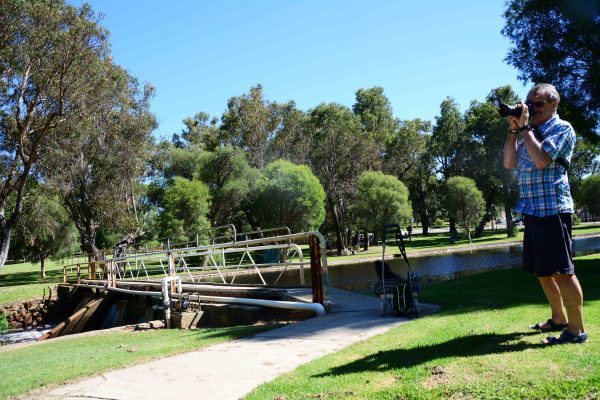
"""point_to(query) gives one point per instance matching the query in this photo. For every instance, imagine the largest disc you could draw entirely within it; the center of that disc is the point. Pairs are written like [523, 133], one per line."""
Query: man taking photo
[541, 153]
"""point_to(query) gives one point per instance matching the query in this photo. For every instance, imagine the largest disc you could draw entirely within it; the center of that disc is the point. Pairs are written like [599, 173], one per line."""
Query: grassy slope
[57, 361]
[478, 346]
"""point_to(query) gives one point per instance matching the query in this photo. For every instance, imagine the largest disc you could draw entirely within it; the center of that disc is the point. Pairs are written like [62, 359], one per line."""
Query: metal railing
[224, 261]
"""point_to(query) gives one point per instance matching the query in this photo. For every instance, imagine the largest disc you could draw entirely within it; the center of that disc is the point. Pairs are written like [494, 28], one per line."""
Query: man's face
[544, 108]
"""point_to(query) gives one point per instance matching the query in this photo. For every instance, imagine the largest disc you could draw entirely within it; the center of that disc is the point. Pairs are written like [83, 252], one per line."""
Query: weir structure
[206, 270]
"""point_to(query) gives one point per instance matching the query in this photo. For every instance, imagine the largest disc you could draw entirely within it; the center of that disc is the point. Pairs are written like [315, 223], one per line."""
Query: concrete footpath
[231, 370]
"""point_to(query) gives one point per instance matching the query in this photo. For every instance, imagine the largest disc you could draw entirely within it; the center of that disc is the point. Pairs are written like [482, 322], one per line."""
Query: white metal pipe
[164, 293]
[88, 286]
[140, 292]
[317, 308]
[165, 296]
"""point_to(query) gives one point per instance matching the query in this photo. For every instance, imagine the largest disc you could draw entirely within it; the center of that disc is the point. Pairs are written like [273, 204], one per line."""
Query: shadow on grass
[466, 346]
[30, 278]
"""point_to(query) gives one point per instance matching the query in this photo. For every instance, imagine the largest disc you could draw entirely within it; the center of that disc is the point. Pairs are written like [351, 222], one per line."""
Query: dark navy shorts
[547, 245]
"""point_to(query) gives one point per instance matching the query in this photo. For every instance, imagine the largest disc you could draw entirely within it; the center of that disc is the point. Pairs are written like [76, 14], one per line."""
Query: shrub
[381, 199]
[3, 322]
[464, 202]
[513, 231]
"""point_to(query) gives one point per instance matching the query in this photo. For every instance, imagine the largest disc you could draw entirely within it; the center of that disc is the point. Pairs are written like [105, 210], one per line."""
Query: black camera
[505, 110]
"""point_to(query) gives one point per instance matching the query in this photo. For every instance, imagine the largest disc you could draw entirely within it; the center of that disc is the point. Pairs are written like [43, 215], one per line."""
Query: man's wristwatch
[525, 128]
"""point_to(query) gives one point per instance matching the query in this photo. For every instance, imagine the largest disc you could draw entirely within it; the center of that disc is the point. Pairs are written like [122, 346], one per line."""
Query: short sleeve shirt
[544, 192]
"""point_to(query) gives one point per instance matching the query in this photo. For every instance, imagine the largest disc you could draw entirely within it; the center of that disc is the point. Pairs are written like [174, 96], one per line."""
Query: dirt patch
[387, 382]
[439, 376]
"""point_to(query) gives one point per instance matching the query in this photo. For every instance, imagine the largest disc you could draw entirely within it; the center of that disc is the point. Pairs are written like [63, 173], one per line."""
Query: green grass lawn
[57, 361]
[22, 281]
[477, 347]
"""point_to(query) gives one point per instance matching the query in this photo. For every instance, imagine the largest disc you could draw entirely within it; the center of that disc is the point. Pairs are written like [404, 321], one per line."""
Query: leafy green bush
[289, 195]
[576, 219]
[513, 231]
[589, 193]
[3, 322]
[381, 199]
[465, 203]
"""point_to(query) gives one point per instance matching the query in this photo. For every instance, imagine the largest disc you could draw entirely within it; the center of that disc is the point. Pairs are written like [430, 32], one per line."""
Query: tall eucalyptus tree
[50, 54]
[340, 149]
[98, 164]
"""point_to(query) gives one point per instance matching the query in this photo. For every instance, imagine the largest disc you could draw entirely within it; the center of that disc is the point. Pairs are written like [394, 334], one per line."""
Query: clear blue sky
[198, 54]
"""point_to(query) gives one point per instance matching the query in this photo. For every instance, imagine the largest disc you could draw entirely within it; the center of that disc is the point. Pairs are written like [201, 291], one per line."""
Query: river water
[22, 335]
[361, 275]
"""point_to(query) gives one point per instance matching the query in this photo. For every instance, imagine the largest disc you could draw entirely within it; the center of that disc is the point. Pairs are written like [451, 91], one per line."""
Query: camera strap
[560, 160]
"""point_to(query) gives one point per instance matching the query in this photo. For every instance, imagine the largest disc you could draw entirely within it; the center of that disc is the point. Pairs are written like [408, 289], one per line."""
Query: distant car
[518, 221]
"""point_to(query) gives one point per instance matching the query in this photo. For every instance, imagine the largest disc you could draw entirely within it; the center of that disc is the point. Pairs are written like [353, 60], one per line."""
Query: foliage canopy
[558, 42]
[289, 195]
[464, 202]
[381, 199]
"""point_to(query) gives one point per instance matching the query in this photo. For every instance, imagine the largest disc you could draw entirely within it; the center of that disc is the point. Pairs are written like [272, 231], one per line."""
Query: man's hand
[517, 123]
[524, 118]
[514, 123]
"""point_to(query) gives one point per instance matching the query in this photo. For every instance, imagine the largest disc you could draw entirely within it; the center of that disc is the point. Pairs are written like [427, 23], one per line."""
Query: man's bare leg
[553, 294]
[572, 297]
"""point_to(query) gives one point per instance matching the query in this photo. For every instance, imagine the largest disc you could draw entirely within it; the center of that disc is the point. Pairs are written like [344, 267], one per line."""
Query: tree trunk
[509, 221]
[348, 238]
[126, 241]
[341, 249]
[5, 233]
[251, 220]
[486, 218]
[453, 230]
[479, 228]
[365, 240]
[7, 225]
[425, 223]
[42, 267]
[88, 242]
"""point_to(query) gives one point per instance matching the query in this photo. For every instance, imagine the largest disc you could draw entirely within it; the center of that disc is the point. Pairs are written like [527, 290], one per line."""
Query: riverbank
[392, 252]
[438, 243]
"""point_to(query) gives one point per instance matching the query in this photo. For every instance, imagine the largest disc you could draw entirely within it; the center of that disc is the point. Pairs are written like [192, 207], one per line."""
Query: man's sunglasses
[538, 104]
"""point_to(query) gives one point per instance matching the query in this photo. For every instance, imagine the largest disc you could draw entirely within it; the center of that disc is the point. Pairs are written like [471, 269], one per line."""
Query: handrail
[279, 228]
[165, 261]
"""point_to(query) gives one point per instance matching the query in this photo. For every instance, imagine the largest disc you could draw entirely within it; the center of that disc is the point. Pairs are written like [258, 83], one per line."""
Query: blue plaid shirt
[546, 191]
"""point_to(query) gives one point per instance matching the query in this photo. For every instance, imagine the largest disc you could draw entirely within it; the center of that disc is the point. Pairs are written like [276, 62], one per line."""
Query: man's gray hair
[545, 89]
